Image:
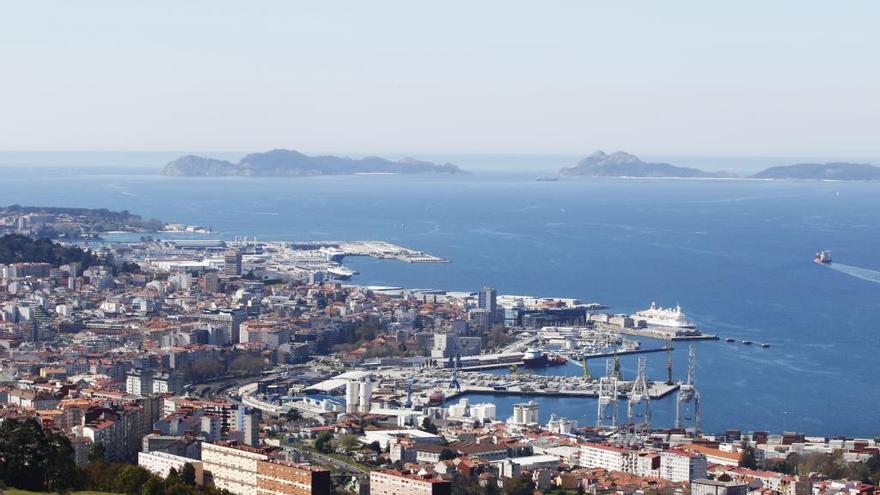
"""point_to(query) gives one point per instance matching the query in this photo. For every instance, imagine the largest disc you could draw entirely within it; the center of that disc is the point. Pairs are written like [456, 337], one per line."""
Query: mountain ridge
[291, 163]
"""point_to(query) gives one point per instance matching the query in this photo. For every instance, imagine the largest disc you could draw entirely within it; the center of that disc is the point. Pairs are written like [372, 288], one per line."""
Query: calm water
[735, 254]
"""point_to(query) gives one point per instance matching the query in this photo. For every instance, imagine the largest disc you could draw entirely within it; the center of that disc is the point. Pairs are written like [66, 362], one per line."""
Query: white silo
[365, 395]
[352, 390]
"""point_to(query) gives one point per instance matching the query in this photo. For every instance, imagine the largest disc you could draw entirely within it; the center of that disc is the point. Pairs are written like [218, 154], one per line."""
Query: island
[622, 164]
[822, 171]
[290, 163]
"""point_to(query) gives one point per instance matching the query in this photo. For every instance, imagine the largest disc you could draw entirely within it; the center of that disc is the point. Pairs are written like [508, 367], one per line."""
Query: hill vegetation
[17, 248]
[279, 163]
[822, 171]
[622, 164]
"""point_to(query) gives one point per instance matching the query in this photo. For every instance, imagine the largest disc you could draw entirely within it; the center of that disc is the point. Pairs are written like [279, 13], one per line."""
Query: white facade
[680, 466]
[232, 469]
[604, 457]
[525, 414]
[161, 463]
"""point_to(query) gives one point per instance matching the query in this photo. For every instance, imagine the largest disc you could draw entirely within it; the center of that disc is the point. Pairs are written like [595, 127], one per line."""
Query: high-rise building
[228, 320]
[232, 262]
[488, 299]
[251, 427]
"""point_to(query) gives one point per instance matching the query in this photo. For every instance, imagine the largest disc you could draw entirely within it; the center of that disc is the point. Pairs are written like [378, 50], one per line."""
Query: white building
[604, 456]
[524, 414]
[681, 465]
[233, 469]
[358, 395]
[161, 463]
[561, 425]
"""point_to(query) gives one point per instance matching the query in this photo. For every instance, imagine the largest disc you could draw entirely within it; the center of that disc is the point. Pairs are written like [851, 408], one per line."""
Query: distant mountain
[621, 164]
[278, 163]
[822, 171]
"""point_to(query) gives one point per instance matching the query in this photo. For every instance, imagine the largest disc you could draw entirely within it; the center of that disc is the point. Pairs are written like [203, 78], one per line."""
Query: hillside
[822, 171]
[282, 163]
[621, 164]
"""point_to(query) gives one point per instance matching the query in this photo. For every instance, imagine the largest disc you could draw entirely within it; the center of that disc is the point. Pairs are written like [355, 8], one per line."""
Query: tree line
[41, 459]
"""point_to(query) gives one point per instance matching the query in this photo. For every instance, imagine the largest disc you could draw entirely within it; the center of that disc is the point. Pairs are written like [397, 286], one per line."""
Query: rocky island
[289, 163]
[822, 171]
[622, 164]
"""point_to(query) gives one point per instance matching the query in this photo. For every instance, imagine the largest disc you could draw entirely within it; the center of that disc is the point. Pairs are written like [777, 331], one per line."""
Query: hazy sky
[652, 77]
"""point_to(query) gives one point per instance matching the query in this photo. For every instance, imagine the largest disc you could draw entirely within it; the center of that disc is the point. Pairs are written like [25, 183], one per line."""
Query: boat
[728, 339]
[533, 358]
[664, 317]
[765, 345]
[747, 342]
[341, 272]
[436, 398]
[823, 257]
[547, 178]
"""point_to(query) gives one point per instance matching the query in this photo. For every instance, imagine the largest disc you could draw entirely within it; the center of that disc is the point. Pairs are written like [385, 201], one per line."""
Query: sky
[744, 78]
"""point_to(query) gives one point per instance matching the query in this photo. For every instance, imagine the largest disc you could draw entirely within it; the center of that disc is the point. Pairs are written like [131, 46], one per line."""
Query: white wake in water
[854, 271]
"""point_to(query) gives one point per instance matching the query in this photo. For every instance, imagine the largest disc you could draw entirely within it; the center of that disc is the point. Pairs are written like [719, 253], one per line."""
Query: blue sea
[737, 255]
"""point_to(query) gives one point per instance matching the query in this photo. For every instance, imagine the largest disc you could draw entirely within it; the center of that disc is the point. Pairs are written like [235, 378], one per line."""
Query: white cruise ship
[664, 317]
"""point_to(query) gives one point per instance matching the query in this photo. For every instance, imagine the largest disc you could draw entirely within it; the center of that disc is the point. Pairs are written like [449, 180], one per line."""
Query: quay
[501, 360]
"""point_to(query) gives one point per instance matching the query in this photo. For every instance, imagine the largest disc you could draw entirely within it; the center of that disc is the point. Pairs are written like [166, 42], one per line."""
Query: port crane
[638, 411]
[687, 401]
[606, 415]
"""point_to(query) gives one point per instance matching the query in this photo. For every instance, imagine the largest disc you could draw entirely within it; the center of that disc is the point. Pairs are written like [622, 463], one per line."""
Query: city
[259, 369]
[439, 248]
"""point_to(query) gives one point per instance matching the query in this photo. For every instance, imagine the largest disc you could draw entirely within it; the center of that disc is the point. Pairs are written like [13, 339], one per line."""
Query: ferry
[823, 257]
[664, 317]
[341, 272]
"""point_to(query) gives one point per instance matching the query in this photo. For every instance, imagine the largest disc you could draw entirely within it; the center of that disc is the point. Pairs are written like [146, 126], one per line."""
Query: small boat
[436, 398]
[765, 345]
[729, 340]
[546, 178]
[747, 342]
[823, 257]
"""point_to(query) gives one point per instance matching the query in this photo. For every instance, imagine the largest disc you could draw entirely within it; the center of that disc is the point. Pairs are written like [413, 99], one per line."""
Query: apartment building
[245, 470]
[389, 482]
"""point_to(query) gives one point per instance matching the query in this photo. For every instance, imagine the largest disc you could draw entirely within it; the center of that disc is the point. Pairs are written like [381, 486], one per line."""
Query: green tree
[97, 452]
[323, 442]
[153, 486]
[448, 454]
[429, 426]
[35, 459]
[747, 457]
[293, 415]
[188, 474]
[519, 486]
[349, 442]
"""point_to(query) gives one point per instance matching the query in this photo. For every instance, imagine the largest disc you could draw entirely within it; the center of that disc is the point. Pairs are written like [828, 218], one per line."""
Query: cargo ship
[823, 257]
[534, 359]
